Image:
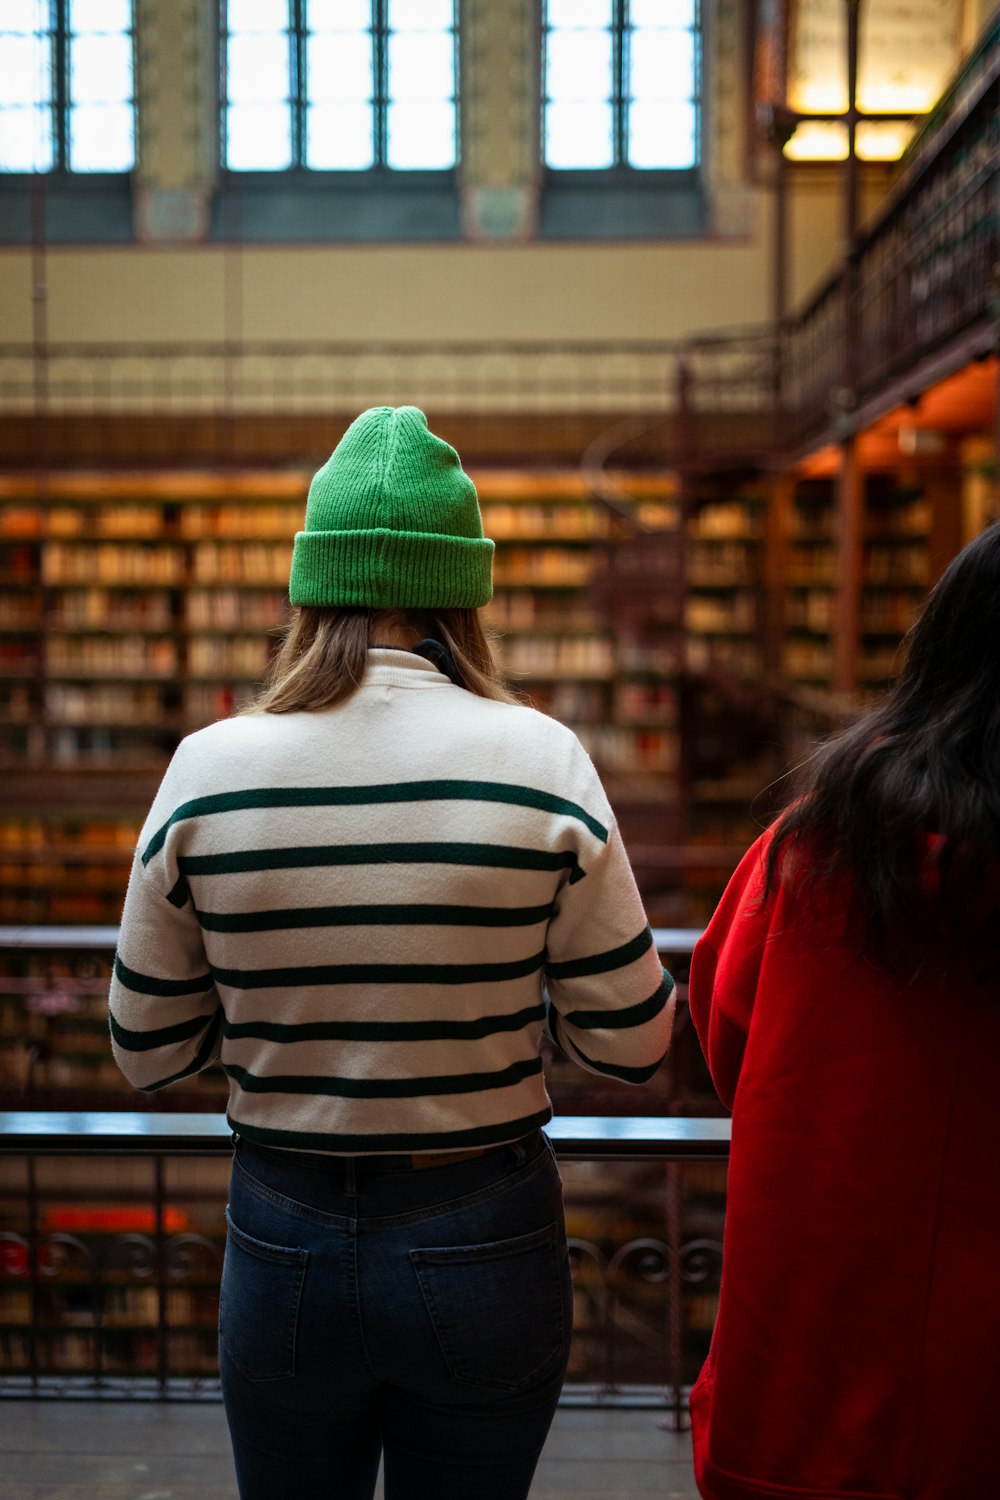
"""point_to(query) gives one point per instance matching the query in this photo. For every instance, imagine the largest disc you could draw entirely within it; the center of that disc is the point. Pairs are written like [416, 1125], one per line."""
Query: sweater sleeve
[166, 1020]
[725, 970]
[611, 1001]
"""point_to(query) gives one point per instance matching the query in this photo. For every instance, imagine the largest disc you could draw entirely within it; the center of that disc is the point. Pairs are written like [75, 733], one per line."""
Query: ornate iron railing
[112, 1232]
[917, 296]
[727, 398]
[927, 272]
[112, 1240]
[269, 379]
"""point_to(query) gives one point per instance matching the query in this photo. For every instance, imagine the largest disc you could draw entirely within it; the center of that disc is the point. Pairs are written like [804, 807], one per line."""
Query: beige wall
[474, 293]
[417, 292]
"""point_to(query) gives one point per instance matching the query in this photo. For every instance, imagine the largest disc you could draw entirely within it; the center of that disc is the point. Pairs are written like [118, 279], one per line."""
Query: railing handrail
[575, 1137]
[667, 939]
[355, 348]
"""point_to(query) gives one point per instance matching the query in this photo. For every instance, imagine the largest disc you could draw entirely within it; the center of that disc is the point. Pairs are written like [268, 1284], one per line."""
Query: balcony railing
[113, 1235]
[257, 379]
[112, 1228]
[917, 297]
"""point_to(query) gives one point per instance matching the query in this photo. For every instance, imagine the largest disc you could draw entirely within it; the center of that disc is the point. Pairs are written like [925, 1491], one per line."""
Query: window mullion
[298, 90]
[620, 81]
[380, 104]
[698, 81]
[59, 17]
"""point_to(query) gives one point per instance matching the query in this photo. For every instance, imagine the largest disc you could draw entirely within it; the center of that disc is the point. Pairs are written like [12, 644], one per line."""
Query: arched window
[339, 85]
[66, 86]
[621, 84]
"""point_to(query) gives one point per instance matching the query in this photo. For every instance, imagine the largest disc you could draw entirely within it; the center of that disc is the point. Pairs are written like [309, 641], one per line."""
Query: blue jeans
[370, 1307]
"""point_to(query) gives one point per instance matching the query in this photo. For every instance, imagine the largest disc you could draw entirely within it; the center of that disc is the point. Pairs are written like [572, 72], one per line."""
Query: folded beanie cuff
[385, 569]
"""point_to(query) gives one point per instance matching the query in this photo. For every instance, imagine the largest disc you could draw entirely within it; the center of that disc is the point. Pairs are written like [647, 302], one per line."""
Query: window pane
[421, 136]
[100, 15]
[578, 65]
[339, 66]
[100, 138]
[576, 13]
[25, 16]
[257, 15]
[339, 137]
[26, 139]
[100, 69]
[421, 15]
[818, 141]
[421, 66]
[339, 15]
[578, 135]
[258, 137]
[661, 12]
[257, 68]
[884, 140]
[661, 133]
[661, 64]
[25, 69]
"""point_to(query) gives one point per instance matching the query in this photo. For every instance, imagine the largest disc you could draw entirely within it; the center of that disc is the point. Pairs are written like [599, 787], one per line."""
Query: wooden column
[777, 530]
[850, 481]
[942, 486]
[847, 561]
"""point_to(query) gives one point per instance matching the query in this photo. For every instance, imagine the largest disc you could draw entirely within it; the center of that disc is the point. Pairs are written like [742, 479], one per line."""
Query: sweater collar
[389, 667]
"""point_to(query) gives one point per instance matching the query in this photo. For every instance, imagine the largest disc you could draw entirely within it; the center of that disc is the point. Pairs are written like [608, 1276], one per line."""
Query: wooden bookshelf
[723, 614]
[809, 592]
[898, 523]
[141, 606]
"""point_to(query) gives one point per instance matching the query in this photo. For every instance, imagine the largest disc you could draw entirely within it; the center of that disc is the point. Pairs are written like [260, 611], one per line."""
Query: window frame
[298, 171]
[622, 202]
[60, 171]
[621, 172]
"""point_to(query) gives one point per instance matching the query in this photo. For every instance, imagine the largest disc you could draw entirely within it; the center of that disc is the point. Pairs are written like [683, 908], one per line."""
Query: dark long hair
[905, 802]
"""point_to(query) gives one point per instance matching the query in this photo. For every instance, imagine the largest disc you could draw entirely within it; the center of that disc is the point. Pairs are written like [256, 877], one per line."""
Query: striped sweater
[371, 913]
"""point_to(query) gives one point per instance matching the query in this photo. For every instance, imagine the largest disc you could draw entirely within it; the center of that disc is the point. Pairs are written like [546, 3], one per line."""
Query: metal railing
[261, 379]
[918, 295]
[112, 1230]
[666, 939]
[113, 1234]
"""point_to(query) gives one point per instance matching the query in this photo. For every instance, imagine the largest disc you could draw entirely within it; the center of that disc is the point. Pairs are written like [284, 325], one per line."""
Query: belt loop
[351, 1176]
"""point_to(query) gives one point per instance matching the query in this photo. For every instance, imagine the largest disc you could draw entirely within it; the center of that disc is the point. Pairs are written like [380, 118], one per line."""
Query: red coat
[857, 1348]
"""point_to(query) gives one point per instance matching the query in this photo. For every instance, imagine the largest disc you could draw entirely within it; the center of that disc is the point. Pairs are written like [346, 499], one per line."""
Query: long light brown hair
[323, 654]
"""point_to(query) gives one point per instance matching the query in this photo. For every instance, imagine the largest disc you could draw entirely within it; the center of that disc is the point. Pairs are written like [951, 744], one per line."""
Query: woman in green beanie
[370, 896]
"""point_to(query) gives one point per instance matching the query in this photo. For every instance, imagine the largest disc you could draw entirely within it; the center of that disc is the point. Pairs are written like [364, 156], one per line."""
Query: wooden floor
[145, 1451]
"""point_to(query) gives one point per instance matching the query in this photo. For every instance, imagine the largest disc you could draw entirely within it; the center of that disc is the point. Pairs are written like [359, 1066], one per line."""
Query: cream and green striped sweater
[366, 913]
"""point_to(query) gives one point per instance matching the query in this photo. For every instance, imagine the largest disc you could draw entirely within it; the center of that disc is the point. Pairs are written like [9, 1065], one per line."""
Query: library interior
[703, 292]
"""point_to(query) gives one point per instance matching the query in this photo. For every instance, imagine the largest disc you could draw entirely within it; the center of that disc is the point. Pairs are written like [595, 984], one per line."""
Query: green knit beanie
[392, 522]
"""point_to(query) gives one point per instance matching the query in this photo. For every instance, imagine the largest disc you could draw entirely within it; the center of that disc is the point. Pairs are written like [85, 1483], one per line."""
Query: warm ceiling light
[818, 141]
[884, 140]
[825, 140]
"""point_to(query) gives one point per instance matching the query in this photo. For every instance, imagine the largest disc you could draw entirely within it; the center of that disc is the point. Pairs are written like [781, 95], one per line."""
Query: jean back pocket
[259, 1304]
[500, 1310]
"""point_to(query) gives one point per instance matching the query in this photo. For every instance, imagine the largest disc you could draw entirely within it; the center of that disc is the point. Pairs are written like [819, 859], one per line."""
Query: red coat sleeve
[725, 970]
